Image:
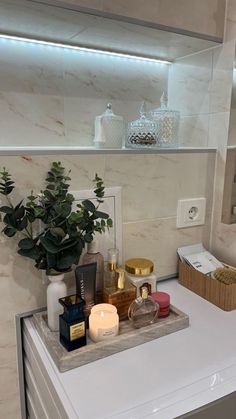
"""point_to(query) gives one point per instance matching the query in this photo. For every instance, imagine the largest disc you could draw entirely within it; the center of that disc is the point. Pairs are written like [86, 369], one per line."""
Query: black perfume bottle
[72, 322]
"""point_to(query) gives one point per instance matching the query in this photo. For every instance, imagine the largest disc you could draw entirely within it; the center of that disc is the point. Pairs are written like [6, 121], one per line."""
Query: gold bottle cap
[121, 278]
[139, 266]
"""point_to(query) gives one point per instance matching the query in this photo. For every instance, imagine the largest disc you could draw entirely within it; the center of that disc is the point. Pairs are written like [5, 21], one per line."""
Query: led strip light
[83, 49]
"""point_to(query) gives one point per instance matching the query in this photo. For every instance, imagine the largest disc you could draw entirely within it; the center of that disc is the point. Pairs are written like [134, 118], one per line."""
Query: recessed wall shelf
[19, 151]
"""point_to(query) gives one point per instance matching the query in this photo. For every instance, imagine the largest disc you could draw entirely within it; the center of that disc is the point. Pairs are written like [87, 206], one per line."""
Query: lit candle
[103, 322]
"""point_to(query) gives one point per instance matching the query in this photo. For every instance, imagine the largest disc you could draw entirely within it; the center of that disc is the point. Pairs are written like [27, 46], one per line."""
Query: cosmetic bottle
[139, 272]
[144, 310]
[121, 295]
[94, 256]
[110, 274]
[72, 322]
[85, 276]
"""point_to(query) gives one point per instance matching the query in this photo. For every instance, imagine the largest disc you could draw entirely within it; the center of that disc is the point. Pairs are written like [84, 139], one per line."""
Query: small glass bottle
[93, 255]
[72, 322]
[120, 295]
[110, 274]
[144, 310]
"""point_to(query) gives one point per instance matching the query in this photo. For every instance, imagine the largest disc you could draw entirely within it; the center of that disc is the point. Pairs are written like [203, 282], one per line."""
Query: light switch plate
[191, 212]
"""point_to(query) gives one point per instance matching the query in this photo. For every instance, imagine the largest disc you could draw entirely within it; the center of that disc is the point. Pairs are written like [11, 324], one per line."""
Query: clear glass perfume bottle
[168, 121]
[142, 132]
[110, 274]
[144, 310]
[120, 295]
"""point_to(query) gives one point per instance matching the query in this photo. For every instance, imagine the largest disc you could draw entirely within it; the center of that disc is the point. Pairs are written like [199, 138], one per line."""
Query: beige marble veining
[218, 128]
[158, 241]
[189, 82]
[152, 184]
[193, 131]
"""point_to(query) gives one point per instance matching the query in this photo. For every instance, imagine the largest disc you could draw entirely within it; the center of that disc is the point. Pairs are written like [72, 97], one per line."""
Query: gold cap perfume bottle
[121, 295]
[144, 310]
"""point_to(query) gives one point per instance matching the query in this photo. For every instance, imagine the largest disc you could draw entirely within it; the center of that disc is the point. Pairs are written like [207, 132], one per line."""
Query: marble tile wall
[53, 95]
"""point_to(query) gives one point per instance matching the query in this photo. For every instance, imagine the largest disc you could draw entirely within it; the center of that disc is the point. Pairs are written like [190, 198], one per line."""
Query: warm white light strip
[84, 49]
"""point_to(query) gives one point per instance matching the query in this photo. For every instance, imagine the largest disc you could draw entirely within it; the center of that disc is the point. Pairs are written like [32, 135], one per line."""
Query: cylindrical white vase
[55, 290]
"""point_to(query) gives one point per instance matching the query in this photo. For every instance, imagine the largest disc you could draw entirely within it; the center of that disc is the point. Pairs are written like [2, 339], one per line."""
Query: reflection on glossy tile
[221, 84]
[189, 84]
[218, 129]
[152, 184]
[193, 131]
[158, 240]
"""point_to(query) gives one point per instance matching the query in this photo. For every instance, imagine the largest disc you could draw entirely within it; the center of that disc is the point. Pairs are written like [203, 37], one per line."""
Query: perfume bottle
[72, 322]
[120, 295]
[94, 256]
[110, 274]
[144, 310]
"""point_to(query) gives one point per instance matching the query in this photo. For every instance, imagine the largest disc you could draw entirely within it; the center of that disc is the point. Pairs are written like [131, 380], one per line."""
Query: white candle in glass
[103, 322]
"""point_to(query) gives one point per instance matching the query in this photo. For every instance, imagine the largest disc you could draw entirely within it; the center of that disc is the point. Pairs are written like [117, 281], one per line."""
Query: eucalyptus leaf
[89, 205]
[26, 243]
[6, 210]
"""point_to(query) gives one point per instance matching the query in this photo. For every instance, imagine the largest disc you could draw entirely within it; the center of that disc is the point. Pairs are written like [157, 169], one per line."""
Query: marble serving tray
[128, 338]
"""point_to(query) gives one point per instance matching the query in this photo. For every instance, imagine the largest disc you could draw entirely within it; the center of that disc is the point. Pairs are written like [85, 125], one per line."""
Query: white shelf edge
[18, 151]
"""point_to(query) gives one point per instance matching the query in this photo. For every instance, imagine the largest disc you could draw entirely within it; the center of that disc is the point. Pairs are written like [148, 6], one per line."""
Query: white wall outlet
[191, 212]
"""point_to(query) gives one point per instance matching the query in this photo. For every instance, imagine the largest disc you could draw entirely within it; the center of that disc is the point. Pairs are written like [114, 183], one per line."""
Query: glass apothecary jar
[109, 129]
[168, 121]
[142, 132]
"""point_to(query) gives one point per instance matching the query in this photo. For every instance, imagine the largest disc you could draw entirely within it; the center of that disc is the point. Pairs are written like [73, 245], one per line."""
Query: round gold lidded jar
[139, 271]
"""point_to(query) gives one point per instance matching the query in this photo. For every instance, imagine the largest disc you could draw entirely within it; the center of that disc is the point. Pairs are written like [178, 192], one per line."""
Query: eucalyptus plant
[53, 233]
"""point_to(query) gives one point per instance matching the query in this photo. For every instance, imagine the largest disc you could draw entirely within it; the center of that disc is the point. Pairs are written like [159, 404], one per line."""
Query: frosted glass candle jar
[103, 322]
[140, 273]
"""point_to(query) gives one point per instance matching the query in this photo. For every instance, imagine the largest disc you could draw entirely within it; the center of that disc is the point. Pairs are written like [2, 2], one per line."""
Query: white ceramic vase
[55, 290]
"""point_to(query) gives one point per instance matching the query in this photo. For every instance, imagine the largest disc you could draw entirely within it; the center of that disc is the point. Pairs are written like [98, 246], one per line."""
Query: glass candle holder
[103, 322]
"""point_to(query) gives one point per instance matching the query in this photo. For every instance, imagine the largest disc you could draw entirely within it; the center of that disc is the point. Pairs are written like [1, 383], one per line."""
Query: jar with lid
[168, 121]
[142, 132]
[140, 273]
[109, 129]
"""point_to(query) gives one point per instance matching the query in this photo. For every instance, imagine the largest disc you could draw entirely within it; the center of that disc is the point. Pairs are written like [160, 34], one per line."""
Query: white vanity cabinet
[184, 374]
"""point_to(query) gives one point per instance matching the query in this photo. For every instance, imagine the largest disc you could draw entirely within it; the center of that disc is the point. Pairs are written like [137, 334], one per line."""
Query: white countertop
[161, 379]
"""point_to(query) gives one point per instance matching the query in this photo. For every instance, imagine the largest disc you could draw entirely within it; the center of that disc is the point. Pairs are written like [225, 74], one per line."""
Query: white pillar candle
[103, 322]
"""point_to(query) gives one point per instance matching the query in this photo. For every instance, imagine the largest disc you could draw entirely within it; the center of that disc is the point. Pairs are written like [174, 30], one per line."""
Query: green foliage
[64, 232]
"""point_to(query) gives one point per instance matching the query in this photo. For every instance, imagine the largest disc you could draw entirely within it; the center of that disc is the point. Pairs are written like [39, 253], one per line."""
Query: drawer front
[36, 371]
